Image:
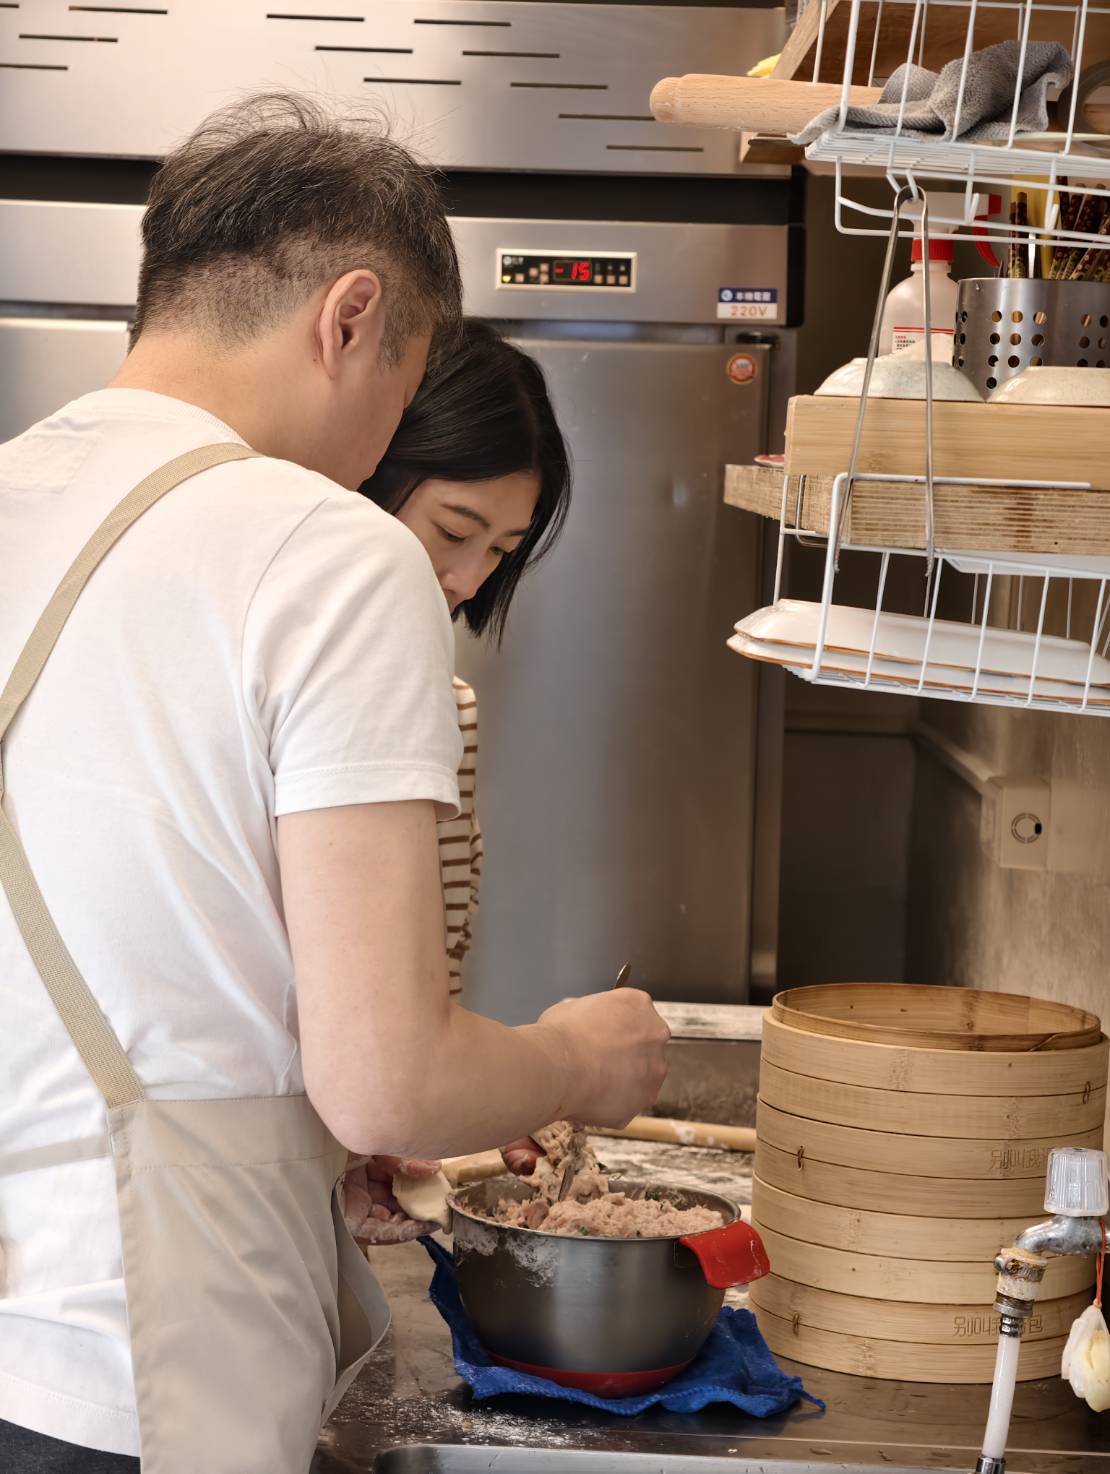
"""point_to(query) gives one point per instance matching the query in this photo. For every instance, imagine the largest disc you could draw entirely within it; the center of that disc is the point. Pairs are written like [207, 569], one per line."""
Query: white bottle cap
[1076, 1185]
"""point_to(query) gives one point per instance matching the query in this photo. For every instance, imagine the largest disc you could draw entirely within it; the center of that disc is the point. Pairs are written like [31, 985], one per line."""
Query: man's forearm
[465, 1085]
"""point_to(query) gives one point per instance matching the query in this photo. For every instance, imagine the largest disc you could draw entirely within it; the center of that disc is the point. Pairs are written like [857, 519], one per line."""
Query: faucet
[1063, 1234]
[1076, 1194]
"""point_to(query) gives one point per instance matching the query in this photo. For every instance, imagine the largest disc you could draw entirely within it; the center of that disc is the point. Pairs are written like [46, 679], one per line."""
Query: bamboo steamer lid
[907, 1322]
[1011, 1117]
[867, 1356]
[924, 1017]
[933, 1071]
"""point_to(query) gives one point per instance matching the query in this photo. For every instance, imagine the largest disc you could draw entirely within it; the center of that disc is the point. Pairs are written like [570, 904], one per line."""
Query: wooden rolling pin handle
[748, 104]
[688, 1133]
[477, 1168]
[663, 99]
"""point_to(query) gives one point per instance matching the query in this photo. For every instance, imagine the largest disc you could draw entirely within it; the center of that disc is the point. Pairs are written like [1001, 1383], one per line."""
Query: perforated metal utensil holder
[1007, 324]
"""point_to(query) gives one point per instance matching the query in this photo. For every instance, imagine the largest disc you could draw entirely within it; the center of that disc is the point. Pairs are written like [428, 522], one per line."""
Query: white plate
[902, 638]
[799, 660]
[1032, 565]
[991, 694]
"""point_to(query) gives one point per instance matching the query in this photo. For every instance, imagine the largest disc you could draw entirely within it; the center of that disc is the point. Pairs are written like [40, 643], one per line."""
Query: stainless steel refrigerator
[618, 735]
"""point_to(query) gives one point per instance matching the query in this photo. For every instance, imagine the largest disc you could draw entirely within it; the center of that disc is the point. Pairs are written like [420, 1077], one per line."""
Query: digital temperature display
[614, 271]
[573, 271]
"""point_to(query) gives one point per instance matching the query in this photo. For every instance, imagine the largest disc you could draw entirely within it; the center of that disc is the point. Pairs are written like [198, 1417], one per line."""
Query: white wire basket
[1021, 630]
[1013, 630]
[1064, 171]
[999, 628]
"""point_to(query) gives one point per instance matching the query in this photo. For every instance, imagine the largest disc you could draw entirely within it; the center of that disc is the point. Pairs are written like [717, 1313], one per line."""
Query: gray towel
[992, 77]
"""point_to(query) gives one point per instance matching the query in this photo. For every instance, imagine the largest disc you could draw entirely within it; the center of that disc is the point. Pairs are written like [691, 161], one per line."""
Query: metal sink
[428, 1458]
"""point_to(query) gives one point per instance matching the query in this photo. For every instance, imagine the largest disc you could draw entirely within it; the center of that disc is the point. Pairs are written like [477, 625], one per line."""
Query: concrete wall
[973, 923]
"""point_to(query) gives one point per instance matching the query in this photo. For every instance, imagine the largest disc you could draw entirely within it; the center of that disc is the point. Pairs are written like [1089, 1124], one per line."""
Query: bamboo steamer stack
[903, 1134]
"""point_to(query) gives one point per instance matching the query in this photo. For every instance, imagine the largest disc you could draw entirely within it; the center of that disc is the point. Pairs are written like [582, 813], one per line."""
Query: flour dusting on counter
[697, 1169]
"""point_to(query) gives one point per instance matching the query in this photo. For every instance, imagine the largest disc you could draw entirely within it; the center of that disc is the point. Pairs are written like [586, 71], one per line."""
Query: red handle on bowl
[733, 1255]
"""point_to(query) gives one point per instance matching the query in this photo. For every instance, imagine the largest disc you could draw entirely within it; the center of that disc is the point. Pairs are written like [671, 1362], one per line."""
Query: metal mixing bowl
[616, 1316]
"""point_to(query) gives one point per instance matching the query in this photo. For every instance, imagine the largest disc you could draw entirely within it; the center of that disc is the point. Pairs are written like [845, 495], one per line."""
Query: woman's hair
[482, 412]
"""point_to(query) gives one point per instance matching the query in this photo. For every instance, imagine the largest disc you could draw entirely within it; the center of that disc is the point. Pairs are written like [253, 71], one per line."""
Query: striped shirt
[460, 843]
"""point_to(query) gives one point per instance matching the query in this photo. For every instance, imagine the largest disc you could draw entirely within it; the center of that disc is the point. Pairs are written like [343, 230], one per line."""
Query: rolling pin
[686, 1133]
[462, 1170]
[749, 104]
[773, 105]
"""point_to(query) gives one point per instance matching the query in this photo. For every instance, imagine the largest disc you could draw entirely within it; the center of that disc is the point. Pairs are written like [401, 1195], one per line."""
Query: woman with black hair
[478, 470]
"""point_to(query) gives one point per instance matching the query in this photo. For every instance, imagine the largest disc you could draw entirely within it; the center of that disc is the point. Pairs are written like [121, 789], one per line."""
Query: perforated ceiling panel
[492, 84]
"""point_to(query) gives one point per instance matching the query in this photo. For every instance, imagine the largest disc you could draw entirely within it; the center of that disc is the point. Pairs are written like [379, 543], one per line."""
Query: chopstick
[1094, 264]
[1085, 214]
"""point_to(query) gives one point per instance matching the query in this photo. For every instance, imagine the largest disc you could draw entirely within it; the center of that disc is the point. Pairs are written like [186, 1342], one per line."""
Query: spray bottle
[904, 314]
[903, 323]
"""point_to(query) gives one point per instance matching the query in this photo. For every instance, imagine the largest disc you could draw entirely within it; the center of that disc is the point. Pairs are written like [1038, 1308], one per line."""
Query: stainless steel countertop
[412, 1394]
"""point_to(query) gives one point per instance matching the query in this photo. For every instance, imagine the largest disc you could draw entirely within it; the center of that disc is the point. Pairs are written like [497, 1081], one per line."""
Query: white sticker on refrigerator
[753, 304]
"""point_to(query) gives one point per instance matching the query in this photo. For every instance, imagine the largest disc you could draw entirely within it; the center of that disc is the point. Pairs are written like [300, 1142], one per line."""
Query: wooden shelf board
[769, 149]
[971, 518]
[765, 148]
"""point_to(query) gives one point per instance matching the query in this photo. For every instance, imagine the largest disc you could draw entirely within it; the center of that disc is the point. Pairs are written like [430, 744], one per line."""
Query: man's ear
[351, 319]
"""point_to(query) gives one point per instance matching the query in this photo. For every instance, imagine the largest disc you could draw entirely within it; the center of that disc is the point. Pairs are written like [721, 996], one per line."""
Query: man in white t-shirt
[227, 777]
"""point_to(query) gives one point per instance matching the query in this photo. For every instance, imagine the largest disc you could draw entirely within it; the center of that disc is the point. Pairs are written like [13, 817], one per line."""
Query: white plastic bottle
[903, 322]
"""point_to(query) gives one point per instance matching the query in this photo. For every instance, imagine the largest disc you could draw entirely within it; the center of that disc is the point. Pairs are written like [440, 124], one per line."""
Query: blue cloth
[735, 1365]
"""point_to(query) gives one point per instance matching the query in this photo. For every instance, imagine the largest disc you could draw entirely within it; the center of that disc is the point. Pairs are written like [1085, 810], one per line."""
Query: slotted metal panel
[491, 84]
[56, 254]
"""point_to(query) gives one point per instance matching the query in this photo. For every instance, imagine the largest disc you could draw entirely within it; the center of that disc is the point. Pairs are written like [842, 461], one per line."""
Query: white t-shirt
[260, 642]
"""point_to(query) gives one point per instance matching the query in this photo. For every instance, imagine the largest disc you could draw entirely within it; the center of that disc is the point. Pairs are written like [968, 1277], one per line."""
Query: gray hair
[271, 198]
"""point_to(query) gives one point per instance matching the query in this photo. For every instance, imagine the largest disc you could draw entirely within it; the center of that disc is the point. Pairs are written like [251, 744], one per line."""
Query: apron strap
[93, 1036]
[57, 1154]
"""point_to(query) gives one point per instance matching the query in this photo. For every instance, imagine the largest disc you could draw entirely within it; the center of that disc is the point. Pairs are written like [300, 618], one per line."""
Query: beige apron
[249, 1305]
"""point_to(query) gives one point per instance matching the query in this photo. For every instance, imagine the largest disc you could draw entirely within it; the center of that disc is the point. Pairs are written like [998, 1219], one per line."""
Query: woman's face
[468, 527]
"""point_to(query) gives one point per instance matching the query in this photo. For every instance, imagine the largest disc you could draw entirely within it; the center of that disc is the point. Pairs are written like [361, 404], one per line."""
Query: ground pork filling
[572, 1196]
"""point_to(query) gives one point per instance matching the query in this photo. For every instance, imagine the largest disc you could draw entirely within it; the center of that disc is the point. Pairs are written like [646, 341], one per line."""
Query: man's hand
[369, 1208]
[521, 1156]
[616, 1043]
